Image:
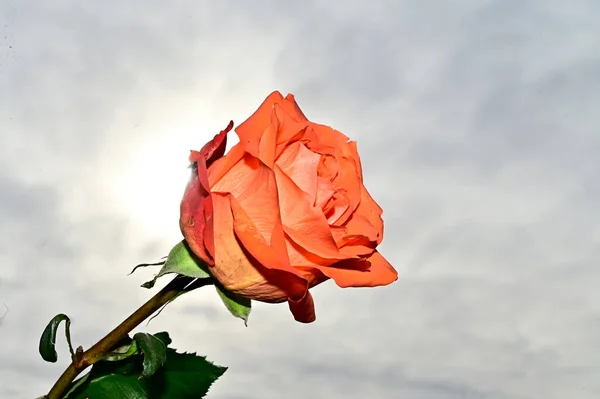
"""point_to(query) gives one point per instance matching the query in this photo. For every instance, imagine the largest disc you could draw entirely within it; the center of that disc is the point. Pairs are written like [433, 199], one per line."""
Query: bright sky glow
[152, 179]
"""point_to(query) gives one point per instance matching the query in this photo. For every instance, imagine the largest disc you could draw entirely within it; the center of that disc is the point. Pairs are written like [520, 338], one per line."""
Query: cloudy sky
[475, 123]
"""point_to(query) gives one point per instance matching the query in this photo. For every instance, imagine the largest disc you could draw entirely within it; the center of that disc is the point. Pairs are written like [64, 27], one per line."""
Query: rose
[284, 210]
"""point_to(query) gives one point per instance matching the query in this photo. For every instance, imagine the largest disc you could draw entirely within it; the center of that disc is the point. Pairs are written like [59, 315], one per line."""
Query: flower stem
[82, 360]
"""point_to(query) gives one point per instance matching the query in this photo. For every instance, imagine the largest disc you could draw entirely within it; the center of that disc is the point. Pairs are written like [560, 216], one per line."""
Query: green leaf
[47, 346]
[237, 305]
[154, 351]
[164, 337]
[121, 352]
[183, 376]
[181, 260]
[74, 386]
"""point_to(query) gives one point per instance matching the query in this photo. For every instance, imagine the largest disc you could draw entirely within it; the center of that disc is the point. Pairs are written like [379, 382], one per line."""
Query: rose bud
[284, 210]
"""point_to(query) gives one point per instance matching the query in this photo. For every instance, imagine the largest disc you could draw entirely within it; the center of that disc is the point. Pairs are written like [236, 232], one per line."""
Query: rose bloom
[284, 210]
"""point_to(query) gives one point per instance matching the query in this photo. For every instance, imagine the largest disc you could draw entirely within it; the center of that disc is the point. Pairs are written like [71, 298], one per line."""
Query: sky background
[479, 131]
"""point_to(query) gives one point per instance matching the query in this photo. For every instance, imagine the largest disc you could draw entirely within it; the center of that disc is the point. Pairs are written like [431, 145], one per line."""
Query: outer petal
[251, 130]
[257, 224]
[214, 149]
[253, 127]
[301, 258]
[276, 121]
[329, 136]
[253, 186]
[221, 166]
[239, 271]
[232, 266]
[195, 219]
[368, 213]
[303, 309]
[292, 108]
[371, 272]
[267, 143]
[271, 255]
[289, 127]
[195, 209]
[352, 151]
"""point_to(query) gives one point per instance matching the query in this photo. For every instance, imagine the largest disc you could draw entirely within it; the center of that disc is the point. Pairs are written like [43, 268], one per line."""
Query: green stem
[81, 361]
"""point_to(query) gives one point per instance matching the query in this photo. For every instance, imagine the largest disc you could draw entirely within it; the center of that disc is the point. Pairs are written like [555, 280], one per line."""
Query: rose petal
[275, 122]
[214, 149]
[303, 309]
[300, 164]
[252, 128]
[368, 213]
[356, 246]
[271, 253]
[237, 270]
[303, 222]
[196, 210]
[289, 129]
[351, 245]
[253, 186]
[329, 136]
[300, 257]
[232, 267]
[256, 213]
[349, 179]
[352, 273]
[221, 166]
[193, 215]
[328, 167]
[276, 286]
[361, 226]
[292, 108]
[312, 275]
[338, 205]
[352, 149]
[325, 193]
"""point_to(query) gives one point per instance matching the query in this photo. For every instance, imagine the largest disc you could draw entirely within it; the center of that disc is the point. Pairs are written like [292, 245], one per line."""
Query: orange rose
[284, 210]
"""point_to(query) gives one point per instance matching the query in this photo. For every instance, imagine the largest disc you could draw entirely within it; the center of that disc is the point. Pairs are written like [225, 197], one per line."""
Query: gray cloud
[478, 134]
